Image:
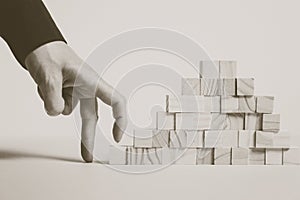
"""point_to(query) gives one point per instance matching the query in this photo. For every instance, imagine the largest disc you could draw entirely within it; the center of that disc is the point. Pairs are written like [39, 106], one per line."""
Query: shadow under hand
[11, 154]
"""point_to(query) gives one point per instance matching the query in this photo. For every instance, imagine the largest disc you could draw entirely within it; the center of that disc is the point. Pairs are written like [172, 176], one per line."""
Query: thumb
[51, 90]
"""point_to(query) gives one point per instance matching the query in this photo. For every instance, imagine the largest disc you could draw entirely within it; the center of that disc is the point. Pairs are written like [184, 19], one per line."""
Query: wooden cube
[247, 104]
[190, 86]
[227, 69]
[216, 104]
[256, 157]
[144, 156]
[291, 156]
[222, 138]
[143, 138]
[274, 156]
[165, 121]
[229, 104]
[188, 104]
[228, 87]
[229, 121]
[192, 121]
[270, 140]
[210, 86]
[117, 155]
[247, 138]
[271, 122]
[209, 69]
[205, 156]
[222, 156]
[186, 139]
[179, 156]
[253, 121]
[160, 138]
[239, 156]
[245, 86]
[264, 104]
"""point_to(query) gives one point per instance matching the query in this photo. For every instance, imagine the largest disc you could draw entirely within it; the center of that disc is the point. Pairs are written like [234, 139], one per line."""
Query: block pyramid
[217, 120]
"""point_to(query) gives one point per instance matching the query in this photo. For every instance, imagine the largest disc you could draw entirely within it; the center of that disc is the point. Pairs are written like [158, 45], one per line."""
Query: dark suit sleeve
[26, 25]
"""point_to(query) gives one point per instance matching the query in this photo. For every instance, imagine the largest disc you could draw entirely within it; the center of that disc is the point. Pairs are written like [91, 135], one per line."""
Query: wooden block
[247, 104]
[143, 138]
[210, 86]
[229, 121]
[264, 104]
[186, 157]
[186, 139]
[190, 86]
[271, 122]
[205, 156]
[253, 121]
[245, 86]
[178, 156]
[247, 138]
[291, 156]
[209, 69]
[222, 138]
[144, 156]
[228, 87]
[229, 104]
[265, 139]
[117, 155]
[165, 121]
[215, 104]
[239, 156]
[274, 156]
[222, 156]
[227, 69]
[192, 121]
[188, 104]
[256, 157]
[160, 138]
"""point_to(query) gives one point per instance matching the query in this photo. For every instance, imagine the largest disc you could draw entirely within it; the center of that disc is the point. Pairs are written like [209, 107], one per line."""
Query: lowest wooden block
[291, 156]
[239, 156]
[160, 138]
[188, 104]
[247, 104]
[246, 138]
[271, 122]
[274, 156]
[253, 121]
[144, 156]
[205, 156]
[143, 138]
[227, 69]
[220, 138]
[117, 155]
[227, 121]
[186, 139]
[245, 86]
[165, 121]
[256, 156]
[179, 156]
[210, 86]
[192, 121]
[270, 140]
[222, 156]
[190, 86]
[209, 69]
[264, 104]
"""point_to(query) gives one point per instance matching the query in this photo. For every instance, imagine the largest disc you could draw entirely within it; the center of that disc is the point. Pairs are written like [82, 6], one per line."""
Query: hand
[63, 79]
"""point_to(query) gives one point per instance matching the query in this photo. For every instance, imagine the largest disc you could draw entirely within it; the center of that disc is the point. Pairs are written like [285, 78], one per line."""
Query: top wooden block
[218, 69]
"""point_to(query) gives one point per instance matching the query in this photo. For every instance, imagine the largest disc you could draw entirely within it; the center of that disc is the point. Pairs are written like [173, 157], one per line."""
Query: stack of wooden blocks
[217, 120]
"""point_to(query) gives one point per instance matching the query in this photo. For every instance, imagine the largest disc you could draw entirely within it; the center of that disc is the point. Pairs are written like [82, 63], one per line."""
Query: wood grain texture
[188, 104]
[229, 121]
[209, 69]
[186, 139]
[264, 104]
[245, 86]
[239, 156]
[192, 121]
[144, 156]
[165, 121]
[229, 104]
[228, 87]
[273, 140]
[227, 69]
[256, 157]
[222, 156]
[215, 104]
[247, 138]
[179, 156]
[210, 86]
[190, 86]
[222, 138]
[247, 104]
[274, 156]
[271, 122]
[253, 121]
[160, 138]
[205, 156]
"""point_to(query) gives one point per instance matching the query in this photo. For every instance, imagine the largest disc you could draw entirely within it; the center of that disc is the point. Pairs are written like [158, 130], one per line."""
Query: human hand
[63, 79]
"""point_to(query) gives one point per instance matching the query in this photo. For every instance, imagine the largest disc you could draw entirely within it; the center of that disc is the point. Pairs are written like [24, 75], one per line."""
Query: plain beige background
[262, 35]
